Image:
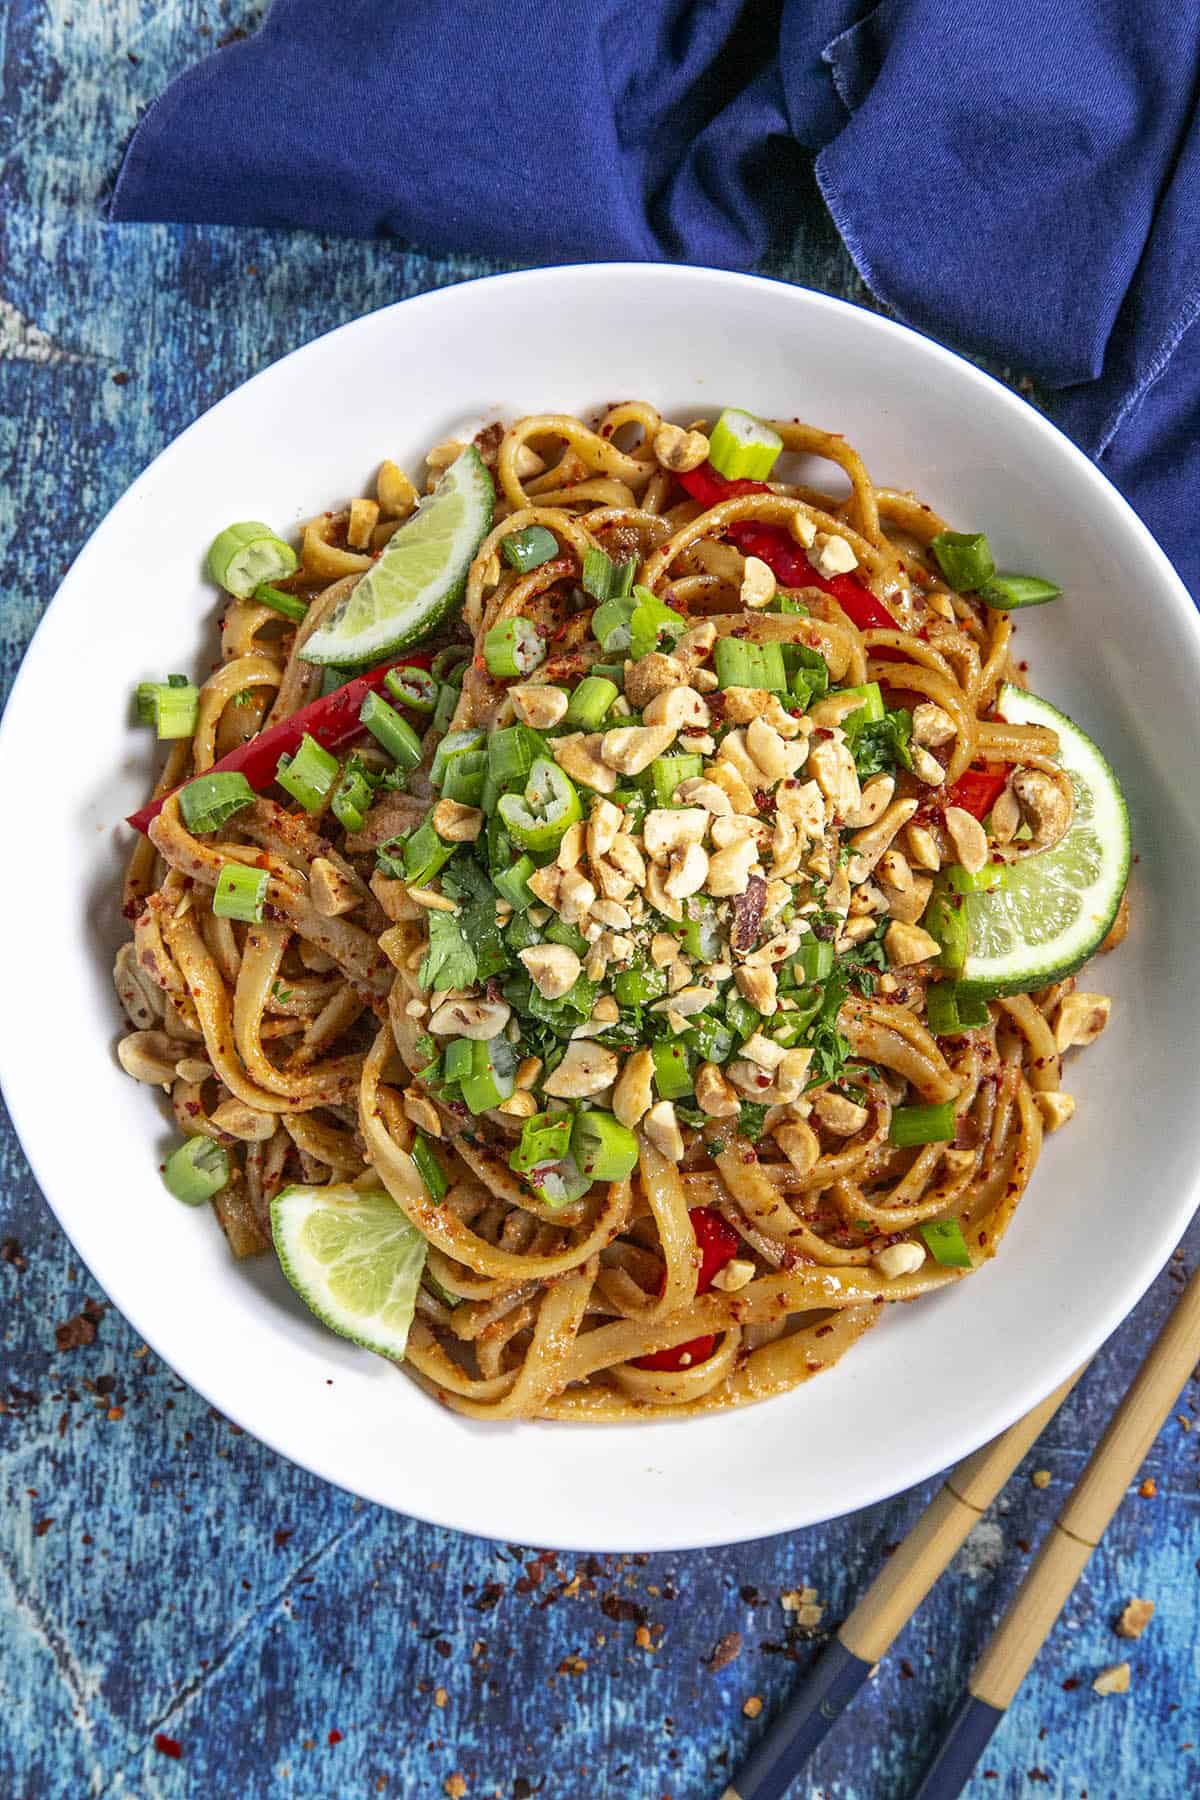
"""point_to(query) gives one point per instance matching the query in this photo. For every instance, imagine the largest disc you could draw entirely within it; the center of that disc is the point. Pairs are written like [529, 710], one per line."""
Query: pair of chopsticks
[900, 1587]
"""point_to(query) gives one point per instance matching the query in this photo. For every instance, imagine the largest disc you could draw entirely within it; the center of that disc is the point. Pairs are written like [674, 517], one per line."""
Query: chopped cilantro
[751, 1118]
[282, 994]
[882, 745]
[450, 961]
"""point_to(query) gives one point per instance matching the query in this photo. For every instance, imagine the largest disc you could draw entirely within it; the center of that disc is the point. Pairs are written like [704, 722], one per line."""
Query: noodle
[769, 1211]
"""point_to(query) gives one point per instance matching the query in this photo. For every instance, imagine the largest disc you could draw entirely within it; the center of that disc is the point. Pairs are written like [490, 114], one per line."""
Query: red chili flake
[335, 1736]
[42, 1527]
[169, 1746]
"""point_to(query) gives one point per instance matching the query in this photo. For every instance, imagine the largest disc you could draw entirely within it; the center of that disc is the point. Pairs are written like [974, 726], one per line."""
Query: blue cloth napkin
[1020, 178]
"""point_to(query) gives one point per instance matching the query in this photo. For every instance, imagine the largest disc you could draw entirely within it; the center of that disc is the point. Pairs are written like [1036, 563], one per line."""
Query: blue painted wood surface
[161, 1573]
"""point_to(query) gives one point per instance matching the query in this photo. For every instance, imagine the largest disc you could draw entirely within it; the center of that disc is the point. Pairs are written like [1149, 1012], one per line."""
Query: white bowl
[1120, 653]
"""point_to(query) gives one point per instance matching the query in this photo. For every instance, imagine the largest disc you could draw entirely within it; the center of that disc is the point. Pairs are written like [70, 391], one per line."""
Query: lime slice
[1053, 910]
[354, 1259]
[420, 575]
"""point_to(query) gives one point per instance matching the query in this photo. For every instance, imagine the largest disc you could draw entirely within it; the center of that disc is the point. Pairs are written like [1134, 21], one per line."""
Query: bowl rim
[1144, 1262]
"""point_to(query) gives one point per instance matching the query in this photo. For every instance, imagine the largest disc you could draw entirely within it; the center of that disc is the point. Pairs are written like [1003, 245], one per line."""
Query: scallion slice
[545, 1138]
[651, 622]
[428, 1167]
[196, 1170]
[559, 1185]
[512, 884]
[210, 800]
[464, 778]
[309, 775]
[945, 918]
[869, 713]
[590, 704]
[1005, 593]
[665, 774]
[492, 1077]
[603, 1148]
[455, 743]
[529, 549]
[240, 893]
[742, 448]
[740, 664]
[965, 559]
[451, 664]
[672, 1077]
[412, 687]
[814, 960]
[176, 709]
[389, 729]
[513, 647]
[605, 580]
[289, 605]
[612, 624]
[353, 795]
[933, 1124]
[634, 987]
[947, 1244]
[538, 819]
[948, 1011]
[246, 555]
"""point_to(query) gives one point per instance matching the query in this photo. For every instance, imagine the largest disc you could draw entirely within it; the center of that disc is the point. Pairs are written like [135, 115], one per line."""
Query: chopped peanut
[906, 944]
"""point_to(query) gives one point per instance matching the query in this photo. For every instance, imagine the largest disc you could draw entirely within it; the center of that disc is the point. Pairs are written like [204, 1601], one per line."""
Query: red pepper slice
[718, 1243]
[978, 789]
[332, 721]
[784, 557]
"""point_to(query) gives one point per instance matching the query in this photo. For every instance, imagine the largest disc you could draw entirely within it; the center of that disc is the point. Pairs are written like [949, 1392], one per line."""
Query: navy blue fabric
[1020, 178]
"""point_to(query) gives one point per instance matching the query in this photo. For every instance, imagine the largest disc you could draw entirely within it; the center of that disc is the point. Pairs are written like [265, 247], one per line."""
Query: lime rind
[420, 576]
[1054, 910]
[354, 1259]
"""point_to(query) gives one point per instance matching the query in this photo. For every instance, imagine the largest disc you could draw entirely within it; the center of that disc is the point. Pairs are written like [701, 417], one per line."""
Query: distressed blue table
[181, 1613]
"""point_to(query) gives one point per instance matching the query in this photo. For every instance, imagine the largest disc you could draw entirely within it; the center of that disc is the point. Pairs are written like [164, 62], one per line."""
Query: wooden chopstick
[890, 1601]
[1060, 1561]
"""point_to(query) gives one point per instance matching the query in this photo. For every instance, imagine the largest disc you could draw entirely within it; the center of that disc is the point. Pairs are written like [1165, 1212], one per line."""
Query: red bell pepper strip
[978, 789]
[718, 1243]
[784, 557]
[332, 720]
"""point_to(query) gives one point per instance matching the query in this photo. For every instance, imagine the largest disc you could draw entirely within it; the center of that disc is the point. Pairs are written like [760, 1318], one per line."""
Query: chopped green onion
[869, 713]
[712, 1041]
[665, 774]
[1005, 593]
[632, 802]
[557, 931]
[421, 853]
[412, 687]
[672, 1077]
[742, 1018]
[513, 647]
[700, 929]
[612, 623]
[603, 1148]
[813, 960]
[605, 580]
[559, 1185]
[614, 672]
[545, 1138]
[949, 1011]
[965, 559]
[511, 754]
[922, 1125]
[176, 709]
[450, 664]
[538, 819]
[649, 621]
[787, 603]
[244, 556]
[947, 1244]
[210, 800]
[428, 1167]
[240, 893]
[197, 1170]
[590, 703]
[447, 702]
[465, 776]
[458, 1059]
[519, 934]
[984, 881]
[389, 729]
[309, 775]
[945, 919]
[455, 743]
[353, 795]
[742, 448]
[529, 549]
[633, 987]
[492, 1077]
[288, 604]
[512, 884]
[741, 664]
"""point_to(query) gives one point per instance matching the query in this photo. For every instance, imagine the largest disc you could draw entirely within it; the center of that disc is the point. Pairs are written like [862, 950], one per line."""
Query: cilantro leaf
[751, 1118]
[882, 745]
[450, 961]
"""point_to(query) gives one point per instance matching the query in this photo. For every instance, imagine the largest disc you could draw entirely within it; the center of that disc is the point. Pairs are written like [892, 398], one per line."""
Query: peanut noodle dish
[610, 921]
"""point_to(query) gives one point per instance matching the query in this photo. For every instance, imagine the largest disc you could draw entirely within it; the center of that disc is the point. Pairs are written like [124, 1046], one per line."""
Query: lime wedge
[420, 575]
[354, 1259]
[1052, 911]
